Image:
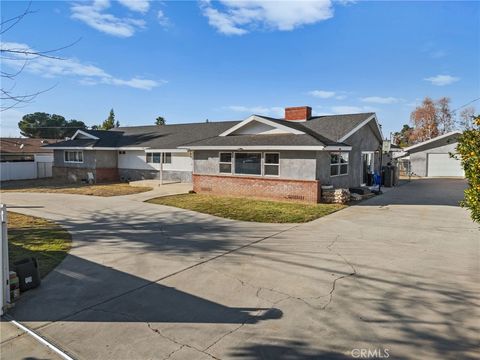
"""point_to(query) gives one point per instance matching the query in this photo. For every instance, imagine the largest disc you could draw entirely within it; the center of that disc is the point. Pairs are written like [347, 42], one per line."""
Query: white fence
[4, 267]
[25, 170]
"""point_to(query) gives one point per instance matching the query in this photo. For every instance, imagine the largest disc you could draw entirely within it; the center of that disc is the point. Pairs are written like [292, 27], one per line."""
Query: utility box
[28, 273]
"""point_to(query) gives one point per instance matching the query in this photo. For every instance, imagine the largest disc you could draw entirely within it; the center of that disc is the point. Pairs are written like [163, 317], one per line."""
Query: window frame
[247, 152]
[220, 162]
[65, 152]
[339, 164]
[265, 164]
[164, 156]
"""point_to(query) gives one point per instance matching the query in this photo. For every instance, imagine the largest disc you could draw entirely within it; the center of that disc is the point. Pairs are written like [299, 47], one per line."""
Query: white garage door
[443, 165]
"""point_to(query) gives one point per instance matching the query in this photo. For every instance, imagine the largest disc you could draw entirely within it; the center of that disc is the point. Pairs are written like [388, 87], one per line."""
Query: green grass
[32, 236]
[247, 209]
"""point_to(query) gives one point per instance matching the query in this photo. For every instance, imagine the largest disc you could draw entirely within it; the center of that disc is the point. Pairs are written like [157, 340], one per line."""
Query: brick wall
[106, 174]
[276, 189]
[298, 113]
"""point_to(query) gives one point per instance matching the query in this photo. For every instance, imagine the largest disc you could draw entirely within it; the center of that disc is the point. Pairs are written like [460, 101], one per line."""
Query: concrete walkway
[398, 274]
[160, 190]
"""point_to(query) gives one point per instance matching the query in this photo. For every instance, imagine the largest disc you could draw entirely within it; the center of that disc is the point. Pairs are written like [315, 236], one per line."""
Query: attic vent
[295, 197]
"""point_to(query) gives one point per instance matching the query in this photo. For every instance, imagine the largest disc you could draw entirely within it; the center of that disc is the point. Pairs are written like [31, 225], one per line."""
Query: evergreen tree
[160, 121]
[110, 122]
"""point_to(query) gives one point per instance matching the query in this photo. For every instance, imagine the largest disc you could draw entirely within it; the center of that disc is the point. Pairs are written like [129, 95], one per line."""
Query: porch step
[361, 190]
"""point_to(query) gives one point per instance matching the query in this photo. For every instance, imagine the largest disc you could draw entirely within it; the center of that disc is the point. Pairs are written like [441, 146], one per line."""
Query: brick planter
[259, 187]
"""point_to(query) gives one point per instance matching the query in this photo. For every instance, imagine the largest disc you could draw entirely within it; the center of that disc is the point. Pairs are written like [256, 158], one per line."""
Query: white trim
[339, 164]
[263, 147]
[220, 162]
[432, 140]
[70, 161]
[84, 133]
[165, 150]
[338, 148]
[41, 340]
[97, 148]
[263, 121]
[359, 126]
[270, 164]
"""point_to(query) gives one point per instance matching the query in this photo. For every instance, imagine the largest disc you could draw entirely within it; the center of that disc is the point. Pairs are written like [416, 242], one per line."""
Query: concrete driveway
[395, 275]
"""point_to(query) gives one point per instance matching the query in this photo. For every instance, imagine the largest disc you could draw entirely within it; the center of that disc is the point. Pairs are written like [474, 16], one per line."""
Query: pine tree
[160, 121]
[110, 122]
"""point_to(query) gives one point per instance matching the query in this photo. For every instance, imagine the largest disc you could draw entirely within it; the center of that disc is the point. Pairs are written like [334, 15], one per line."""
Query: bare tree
[9, 97]
[424, 120]
[445, 119]
[466, 118]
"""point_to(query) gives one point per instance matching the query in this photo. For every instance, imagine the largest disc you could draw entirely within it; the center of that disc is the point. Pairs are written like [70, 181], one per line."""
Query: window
[167, 158]
[155, 158]
[338, 163]
[74, 156]
[225, 166]
[272, 164]
[248, 163]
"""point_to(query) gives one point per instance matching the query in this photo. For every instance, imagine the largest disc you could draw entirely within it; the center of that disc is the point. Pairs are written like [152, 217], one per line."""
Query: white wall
[136, 159]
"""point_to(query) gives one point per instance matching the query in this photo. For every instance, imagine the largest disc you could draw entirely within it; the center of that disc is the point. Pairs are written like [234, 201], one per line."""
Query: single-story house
[25, 158]
[287, 158]
[432, 158]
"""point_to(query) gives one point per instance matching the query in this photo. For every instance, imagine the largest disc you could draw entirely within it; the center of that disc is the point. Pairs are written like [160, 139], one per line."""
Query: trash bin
[28, 273]
[388, 177]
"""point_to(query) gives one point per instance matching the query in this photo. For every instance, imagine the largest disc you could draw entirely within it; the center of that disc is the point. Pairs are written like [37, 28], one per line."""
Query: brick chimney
[299, 113]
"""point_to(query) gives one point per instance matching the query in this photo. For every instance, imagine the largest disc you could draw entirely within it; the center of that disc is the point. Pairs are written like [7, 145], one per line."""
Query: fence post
[5, 270]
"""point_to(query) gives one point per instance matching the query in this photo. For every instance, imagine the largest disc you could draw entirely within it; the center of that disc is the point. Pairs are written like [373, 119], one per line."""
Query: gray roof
[319, 131]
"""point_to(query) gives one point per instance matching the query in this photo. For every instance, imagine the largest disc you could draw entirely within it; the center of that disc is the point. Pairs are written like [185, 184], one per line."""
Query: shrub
[468, 149]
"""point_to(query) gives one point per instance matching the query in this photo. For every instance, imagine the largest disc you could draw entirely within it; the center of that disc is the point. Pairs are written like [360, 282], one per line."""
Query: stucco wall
[418, 160]
[135, 159]
[293, 164]
[88, 160]
[362, 140]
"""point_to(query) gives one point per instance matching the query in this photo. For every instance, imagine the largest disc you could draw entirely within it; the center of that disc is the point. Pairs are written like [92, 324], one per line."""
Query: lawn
[32, 236]
[52, 186]
[246, 209]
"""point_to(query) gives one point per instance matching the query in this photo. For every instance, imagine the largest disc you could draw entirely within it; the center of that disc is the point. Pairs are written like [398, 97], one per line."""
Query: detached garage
[431, 158]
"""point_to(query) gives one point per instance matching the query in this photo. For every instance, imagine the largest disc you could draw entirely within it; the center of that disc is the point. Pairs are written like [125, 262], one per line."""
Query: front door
[367, 167]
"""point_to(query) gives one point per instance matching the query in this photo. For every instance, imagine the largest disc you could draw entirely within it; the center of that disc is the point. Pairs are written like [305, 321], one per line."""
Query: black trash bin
[388, 176]
[28, 273]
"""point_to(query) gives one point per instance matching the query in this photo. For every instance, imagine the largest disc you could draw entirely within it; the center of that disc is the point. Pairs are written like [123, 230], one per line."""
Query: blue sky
[189, 61]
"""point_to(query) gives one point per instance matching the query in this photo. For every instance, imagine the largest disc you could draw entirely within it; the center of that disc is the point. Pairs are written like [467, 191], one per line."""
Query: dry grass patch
[247, 209]
[32, 236]
[52, 186]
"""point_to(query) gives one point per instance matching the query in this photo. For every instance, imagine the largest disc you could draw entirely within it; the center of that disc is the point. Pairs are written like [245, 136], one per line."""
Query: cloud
[94, 15]
[324, 94]
[162, 19]
[87, 74]
[442, 80]
[351, 109]
[238, 17]
[381, 100]
[140, 6]
[260, 110]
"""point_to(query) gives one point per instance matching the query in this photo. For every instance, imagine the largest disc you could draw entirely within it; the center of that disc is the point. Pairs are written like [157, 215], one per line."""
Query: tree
[160, 121]
[109, 123]
[403, 138]
[46, 126]
[21, 56]
[467, 116]
[445, 120]
[468, 149]
[424, 119]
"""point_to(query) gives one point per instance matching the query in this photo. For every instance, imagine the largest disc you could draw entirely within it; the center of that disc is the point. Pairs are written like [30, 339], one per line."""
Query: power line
[471, 102]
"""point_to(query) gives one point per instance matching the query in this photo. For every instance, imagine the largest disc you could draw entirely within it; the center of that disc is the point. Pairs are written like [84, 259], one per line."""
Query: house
[131, 153]
[432, 158]
[288, 158]
[25, 158]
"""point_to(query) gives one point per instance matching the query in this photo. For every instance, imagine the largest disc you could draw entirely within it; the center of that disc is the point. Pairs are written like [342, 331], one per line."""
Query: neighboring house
[432, 158]
[286, 158]
[25, 158]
